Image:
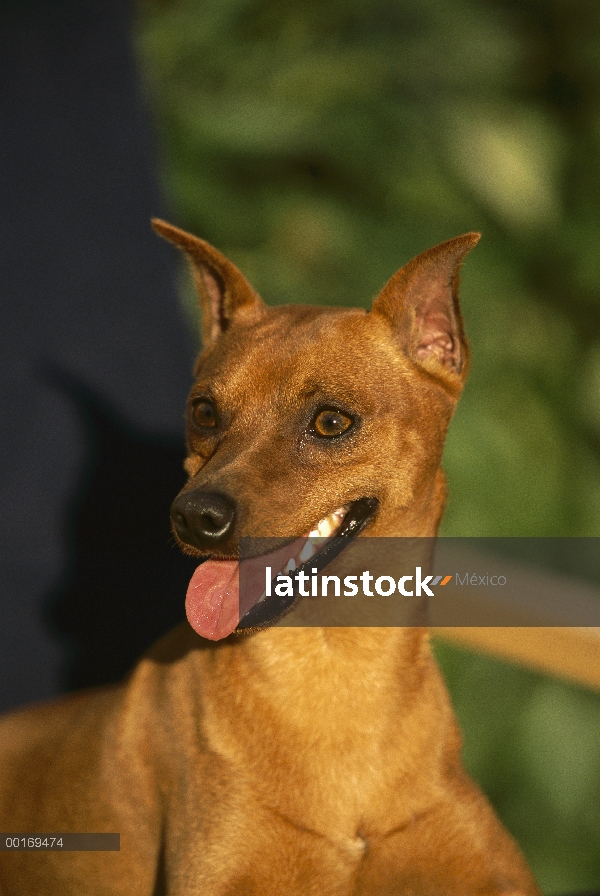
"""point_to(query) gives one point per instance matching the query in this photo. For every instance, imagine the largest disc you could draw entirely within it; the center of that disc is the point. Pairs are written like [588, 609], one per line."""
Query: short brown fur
[296, 761]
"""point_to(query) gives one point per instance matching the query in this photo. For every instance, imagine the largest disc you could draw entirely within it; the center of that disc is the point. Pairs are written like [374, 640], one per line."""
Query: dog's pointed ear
[421, 302]
[224, 292]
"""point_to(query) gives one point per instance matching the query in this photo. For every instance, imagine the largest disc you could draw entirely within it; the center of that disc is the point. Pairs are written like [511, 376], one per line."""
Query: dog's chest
[326, 744]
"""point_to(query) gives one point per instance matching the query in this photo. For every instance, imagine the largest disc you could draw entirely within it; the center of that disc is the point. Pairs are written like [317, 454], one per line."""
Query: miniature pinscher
[247, 758]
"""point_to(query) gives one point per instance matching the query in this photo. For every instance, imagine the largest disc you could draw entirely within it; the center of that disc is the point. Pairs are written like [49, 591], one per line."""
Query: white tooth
[327, 526]
[314, 533]
[291, 565]
[307, 551]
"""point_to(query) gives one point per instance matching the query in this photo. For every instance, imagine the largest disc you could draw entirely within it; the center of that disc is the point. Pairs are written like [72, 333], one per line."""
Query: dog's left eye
[331, 423]
[203, 414]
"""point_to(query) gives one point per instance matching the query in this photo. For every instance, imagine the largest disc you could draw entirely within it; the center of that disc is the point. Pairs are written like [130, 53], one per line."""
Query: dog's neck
[312, 705]
[305, 677]
[303, 661]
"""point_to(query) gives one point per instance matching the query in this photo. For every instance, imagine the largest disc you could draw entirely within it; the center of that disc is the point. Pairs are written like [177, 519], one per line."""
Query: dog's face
[305, 419]
[305, 411]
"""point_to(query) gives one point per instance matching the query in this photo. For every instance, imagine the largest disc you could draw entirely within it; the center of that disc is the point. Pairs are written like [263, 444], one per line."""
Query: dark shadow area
[127, 579]
[88, 289]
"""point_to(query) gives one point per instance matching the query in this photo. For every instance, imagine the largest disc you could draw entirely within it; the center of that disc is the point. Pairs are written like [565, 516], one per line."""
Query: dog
[244, 758]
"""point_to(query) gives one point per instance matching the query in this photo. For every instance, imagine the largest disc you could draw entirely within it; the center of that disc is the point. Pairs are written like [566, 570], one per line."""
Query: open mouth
[330, 537]
[214, 605]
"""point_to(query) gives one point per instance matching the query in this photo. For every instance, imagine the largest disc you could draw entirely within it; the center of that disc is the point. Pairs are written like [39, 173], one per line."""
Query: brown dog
[296, 761]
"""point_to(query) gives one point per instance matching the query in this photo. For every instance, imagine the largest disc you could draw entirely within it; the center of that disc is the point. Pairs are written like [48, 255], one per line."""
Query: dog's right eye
[203, 414]
[330, 423]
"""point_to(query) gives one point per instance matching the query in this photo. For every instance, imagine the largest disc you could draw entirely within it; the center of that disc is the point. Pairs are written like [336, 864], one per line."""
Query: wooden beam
[565, 652]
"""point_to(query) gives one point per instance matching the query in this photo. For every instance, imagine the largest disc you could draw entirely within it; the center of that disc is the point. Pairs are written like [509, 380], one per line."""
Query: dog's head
[306, 420]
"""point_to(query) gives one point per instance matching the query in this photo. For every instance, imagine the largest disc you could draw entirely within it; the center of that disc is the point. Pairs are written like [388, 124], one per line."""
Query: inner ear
[437, 333]
[421, 303]
[211, 286]
[223, 291]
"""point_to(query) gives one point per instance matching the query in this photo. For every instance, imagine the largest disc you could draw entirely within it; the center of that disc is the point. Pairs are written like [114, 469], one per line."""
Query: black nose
[202, 519]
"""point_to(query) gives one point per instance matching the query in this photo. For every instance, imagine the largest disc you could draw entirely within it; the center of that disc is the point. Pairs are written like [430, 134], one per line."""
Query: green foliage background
[320, 145]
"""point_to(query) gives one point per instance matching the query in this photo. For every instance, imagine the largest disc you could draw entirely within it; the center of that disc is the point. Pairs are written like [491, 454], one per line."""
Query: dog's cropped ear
[421, 302]
[224, 292]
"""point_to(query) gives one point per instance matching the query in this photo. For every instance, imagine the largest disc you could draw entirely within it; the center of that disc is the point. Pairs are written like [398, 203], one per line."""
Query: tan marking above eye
[330, 423]
[203, 414]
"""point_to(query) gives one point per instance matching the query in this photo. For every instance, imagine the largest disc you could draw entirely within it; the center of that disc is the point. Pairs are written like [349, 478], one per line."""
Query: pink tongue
[212, 604]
